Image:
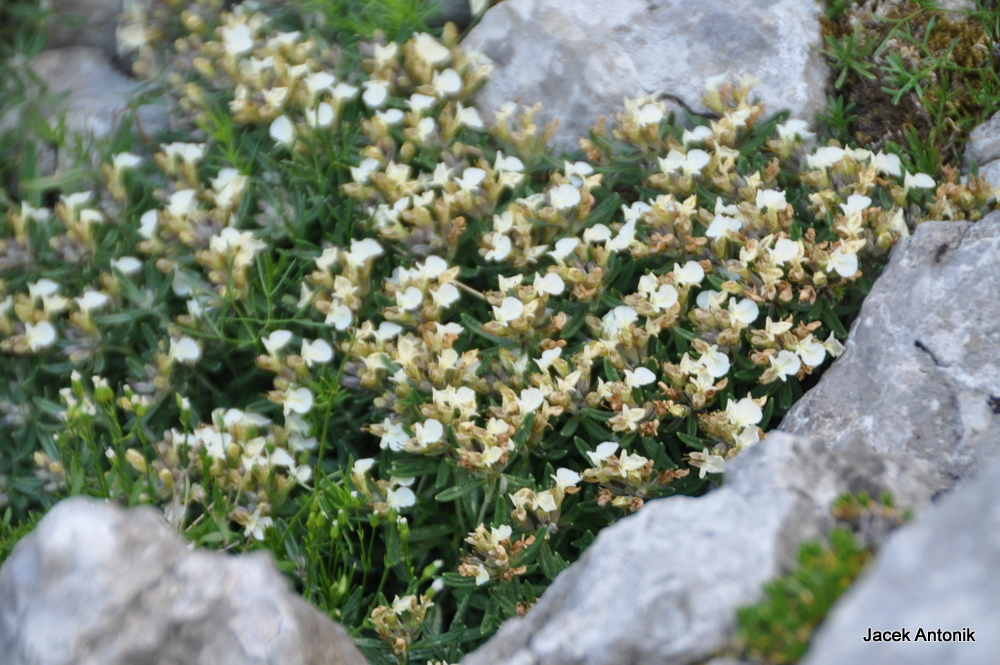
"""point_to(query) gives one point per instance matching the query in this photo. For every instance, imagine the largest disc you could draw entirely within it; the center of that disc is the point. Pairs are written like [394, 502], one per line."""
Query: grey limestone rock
[942, 572]
[95, 584]
[984, 142]
[97, 96]
[83, 23]
[918, 380]
[580, 57]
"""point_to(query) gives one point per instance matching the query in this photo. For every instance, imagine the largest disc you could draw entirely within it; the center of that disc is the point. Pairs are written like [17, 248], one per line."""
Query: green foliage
[779, 628]
[916, 75]
[420, 360]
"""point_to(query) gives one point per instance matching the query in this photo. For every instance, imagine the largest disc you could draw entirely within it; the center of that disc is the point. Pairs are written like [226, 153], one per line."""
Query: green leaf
[458, 581]
[458, 491]
[691, 441]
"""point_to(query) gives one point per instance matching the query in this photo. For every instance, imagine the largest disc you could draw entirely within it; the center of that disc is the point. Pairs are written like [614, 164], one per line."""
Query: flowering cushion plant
[410, 352]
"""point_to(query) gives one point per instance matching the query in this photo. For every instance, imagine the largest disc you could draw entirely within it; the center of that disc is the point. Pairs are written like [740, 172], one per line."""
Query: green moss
[917, 76]
[778, 629]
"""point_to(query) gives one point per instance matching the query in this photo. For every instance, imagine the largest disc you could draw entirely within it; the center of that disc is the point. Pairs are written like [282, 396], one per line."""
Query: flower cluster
[494, 555]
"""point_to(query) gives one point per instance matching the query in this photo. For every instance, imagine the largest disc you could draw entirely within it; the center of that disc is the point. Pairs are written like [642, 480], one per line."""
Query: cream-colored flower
[39, 335]
[184, 350]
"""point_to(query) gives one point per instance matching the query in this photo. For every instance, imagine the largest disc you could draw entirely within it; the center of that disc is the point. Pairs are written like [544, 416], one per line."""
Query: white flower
[446, 83]
[428, 432]
[530, 400]
[624, 238]
[501, 248]
[470, 179]
[394, 437]
[339, 316]
[282, 130]
[323, 116]
[919, 180]
[597, 233]
[127, 265]
[772, 199]
[362, 466]
[795, 127]
[649, 114]
[745, 311]
[825, 157]
[276, 341]
[548, 356]
[691, 162]
[723, 225]
[468, 117]
[477, 7]
[410, 299]
[855, 203]
[711, 463]
[376, 93]
[124, 161]
[182, 203]
[430, 50]
[316, 351]
[298, 400]
[743, 413]
[640, 377]
[92, 300]
[445, 295]
[509, 309]
[551, 284]
[565, 478]
[715, 362]
[690, 274]
[256, 525]
[390, 117]
[184, 350]
[419, 103]
[400, 497]
[237, 39]
[563, 248]
[42, 288]
[845, 263]
[344, 92]
[564, 197]
[811, 351]
[508, 163]
[364, 170]
[603, 452]
[317, 82]
[39, 335]
[785, 364]
[833, 346]
[696, 135]
[785, 250]
[664, 297]
[886, 164]
[362, 251]
[618, 319]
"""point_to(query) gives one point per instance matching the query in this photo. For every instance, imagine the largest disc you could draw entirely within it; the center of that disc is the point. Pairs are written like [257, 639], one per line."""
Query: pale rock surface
[95, 584]
[97, 95]
[984, 142]
[892, 415]
[83, 23]
[580, 57]
[918, 380]
[942, 572]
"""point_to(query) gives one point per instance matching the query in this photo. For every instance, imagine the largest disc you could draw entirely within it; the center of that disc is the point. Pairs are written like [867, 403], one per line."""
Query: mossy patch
[916, 75]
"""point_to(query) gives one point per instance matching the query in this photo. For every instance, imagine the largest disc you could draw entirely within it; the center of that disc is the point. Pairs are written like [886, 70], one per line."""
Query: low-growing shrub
[413, 355]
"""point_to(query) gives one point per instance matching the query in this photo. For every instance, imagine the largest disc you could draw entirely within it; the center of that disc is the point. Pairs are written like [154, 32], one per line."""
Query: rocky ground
[911, 408]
